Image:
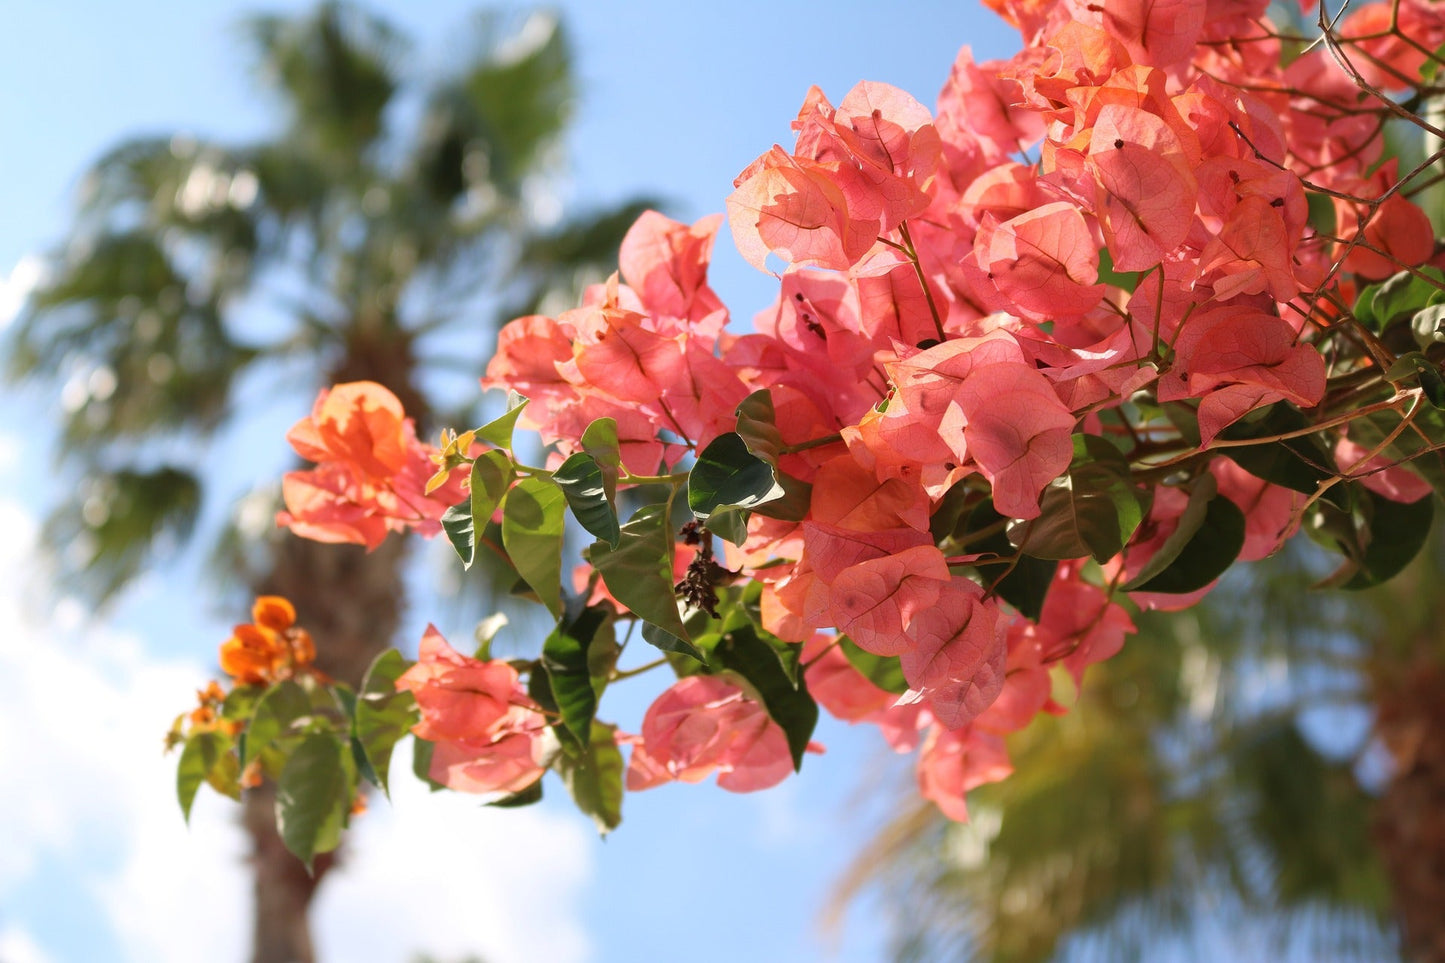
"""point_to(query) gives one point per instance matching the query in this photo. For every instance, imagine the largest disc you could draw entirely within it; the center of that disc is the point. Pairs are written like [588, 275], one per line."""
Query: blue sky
[675, 100]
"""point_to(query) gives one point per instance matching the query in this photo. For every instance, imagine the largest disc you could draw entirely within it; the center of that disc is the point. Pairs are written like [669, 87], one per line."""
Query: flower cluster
[270, 648]
[1126, 308]
[487, 735]
[371, 475]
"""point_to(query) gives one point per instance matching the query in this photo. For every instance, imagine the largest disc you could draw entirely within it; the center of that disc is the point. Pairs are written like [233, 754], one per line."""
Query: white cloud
[18, 946]
[27, 274]
[82, 717]
[442, 874]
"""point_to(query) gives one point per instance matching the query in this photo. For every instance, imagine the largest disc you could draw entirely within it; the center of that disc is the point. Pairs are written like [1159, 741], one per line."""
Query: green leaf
[491, 473]
[313, 796]
[1090, 510]
[457, 523]
[1380, 305]
[1415, 369]
[1427, 324]
[565, 661]
[240, 702]
[786, 700]
[1128, 280]
[661, 638]
[201, 754]
[758, 429]
[421, 753]
[728, 475]
[1299, 463]
[638, 572]
[498, 431]
[277, 709]
[1430, 68]
[581, 480]
[1026, 587]
[384, 714]
[533, 518]
[884, 671]
[592, 773]
[757, 426]
[600, 441]
[1395, 532]
[792, 505]
[491, 476]
[1207, 541]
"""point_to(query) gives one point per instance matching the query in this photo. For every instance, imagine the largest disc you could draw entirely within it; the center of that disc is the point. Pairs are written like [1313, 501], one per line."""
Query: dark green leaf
[1207, 541]
[277, 709]
[383, 714]
[581, 480]
[533, 518]
[792, 505]
[1415, 369]
[600, 441]
[1090, 510]
[1299, 463]
[1400, 296]
[1394, 534]
[457, 523]
[313, 796]
[884, 671]
[593, 775]
[498, 431]
[1028, 584]
[638, 572]
[758, 430]
[787, 700]
[565, 662]
[727, 475]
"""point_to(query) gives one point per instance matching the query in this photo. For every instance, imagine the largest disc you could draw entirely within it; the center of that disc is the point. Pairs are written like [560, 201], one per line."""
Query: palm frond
[336, 70]
[119, 522]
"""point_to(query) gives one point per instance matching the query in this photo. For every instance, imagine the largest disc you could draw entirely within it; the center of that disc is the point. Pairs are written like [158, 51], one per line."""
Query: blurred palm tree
[1260, 776]
[381, 234]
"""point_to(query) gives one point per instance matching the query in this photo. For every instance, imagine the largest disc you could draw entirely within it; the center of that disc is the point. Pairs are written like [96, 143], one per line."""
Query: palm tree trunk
[1410, 817]
[351, 602]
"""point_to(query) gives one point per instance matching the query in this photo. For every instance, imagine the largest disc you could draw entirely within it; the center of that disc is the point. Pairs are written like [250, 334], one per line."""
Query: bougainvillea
[1140, 302]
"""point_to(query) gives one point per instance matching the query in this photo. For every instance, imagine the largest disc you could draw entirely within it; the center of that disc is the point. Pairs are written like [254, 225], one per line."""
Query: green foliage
[533, 518]
[313, 795]
[638, 573]
[592, 772]
[1207, 540]
[727, 482]
[883, 671]
[1091, 509]
[568, 664]
[582, 480]
[203, 759]
[383, 715]
[770, 668]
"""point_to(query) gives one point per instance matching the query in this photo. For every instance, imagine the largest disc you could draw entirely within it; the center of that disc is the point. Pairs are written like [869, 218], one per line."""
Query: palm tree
[1219, 784]
[380, 234]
